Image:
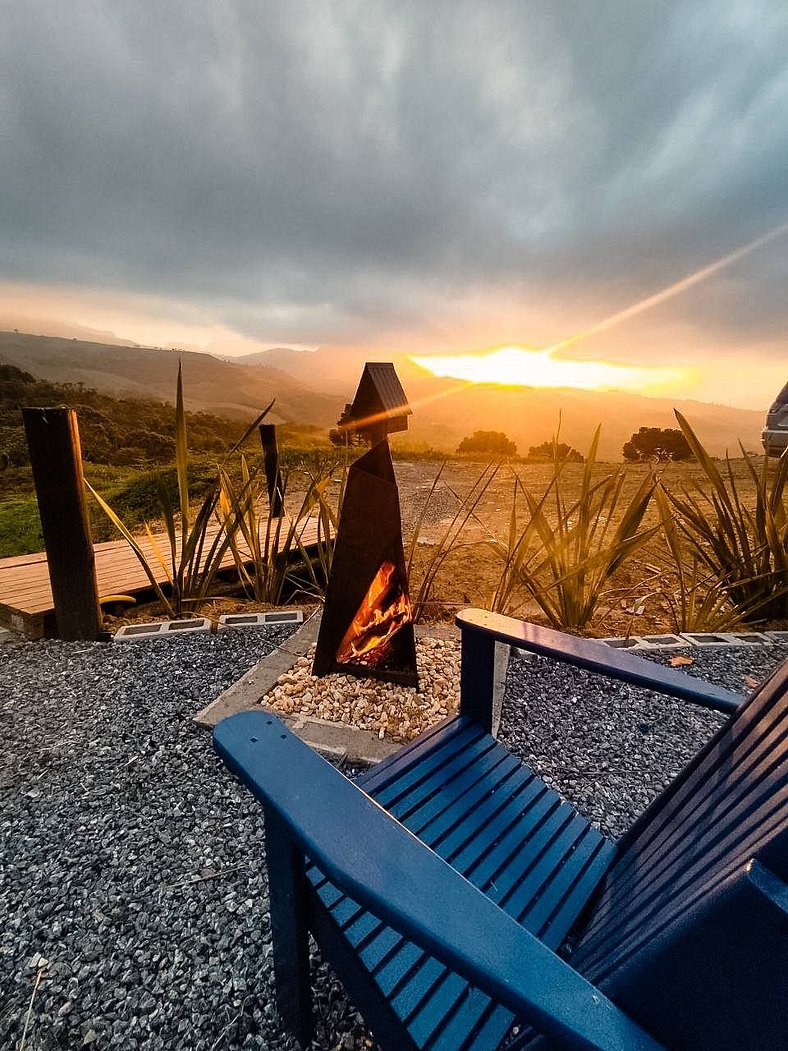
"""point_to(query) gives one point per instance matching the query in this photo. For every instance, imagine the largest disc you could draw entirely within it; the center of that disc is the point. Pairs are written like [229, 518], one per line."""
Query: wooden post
[56, 459]
[272, 473]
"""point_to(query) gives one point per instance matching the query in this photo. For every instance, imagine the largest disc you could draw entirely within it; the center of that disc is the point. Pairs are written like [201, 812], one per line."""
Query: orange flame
[383, 612]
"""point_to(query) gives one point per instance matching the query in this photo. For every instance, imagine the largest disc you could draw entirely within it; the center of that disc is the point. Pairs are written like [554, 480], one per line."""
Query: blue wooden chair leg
[289, 930]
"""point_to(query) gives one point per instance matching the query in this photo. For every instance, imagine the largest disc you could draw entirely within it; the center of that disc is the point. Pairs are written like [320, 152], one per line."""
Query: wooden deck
[26, 602]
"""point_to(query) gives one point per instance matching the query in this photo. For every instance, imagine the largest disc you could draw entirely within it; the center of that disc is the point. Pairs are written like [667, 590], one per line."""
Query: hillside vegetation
[225, 388]
[112, 430]
[127, 445]
[311, 388]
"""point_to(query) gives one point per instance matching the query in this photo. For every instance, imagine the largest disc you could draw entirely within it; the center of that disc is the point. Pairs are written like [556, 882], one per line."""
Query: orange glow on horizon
[529, 367]
[524, 367]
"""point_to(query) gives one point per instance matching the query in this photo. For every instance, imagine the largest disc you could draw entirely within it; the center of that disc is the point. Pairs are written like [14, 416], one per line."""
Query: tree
[488, 443]
[657, 443]
[342, 435]
[547, 451]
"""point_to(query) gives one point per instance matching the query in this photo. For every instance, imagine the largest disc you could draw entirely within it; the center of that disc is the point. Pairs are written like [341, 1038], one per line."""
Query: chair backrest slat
[684, 874]
[725, 807]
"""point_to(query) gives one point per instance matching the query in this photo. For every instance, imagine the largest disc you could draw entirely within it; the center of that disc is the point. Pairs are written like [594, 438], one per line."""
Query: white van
[775, 436]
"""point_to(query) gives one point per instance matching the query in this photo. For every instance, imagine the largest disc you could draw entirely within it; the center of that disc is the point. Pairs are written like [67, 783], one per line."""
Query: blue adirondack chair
[464, 904]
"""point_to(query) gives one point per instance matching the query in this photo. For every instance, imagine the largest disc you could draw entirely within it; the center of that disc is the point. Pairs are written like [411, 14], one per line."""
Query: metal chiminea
[380, 407]
[367, 624]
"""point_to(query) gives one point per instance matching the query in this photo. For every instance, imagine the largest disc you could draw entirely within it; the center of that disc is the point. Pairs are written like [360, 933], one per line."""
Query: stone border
[160, 629]
[274, 618]
[697, 640]
[336, 740]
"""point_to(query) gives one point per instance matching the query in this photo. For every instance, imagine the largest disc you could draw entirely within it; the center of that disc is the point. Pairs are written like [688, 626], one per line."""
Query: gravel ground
[613, 747]
[398, 712]
[132, 863]
[112, 806]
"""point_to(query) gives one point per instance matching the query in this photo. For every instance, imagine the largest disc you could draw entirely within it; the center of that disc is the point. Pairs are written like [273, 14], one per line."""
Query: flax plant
[269, 552]
[745, 547]
[449, 539]
[694, 597]
[564, 560]
[182, 564]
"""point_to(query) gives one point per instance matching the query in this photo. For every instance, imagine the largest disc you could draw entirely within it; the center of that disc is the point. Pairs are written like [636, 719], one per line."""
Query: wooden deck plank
[26, 595]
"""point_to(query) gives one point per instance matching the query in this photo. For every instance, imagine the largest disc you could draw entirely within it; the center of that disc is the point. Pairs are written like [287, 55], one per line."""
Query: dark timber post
[272, 473]
[56, 459]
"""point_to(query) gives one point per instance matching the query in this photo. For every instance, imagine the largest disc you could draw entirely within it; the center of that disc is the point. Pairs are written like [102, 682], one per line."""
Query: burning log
[383, 612]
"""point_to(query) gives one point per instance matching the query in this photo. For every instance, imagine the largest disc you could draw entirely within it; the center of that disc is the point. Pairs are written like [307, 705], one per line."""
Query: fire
[383, 612]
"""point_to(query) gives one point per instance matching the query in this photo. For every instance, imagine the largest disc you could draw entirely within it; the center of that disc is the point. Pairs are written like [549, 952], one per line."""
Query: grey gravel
[130, 861]
[131, 872]
[608, 747]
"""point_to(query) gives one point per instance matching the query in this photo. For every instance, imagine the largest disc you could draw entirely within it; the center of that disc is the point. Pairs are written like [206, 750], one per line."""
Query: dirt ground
[634, 603]
[636, 599]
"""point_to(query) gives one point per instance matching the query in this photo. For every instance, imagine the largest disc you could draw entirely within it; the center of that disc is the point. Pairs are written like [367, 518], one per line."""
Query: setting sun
[521, 367]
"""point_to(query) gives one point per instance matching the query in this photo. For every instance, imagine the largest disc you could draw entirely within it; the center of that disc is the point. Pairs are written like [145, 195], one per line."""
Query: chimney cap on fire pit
[380, 406]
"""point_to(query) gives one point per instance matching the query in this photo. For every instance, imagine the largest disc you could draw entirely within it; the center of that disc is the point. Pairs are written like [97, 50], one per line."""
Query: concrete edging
[335, 740]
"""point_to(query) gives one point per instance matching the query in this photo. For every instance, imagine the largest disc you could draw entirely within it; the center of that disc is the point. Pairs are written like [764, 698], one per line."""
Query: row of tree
[648, 444]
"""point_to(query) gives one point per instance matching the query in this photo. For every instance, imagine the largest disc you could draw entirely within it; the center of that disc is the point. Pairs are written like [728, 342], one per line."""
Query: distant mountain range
[224, 388]
[312, 387]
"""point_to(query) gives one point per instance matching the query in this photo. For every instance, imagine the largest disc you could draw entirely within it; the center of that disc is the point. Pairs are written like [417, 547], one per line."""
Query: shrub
[657, 443]
[492, 444]
[268, 551]
[554, 450]
[195, 543]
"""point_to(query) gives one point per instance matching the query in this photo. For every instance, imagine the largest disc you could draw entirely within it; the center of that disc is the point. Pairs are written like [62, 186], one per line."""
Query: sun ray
[675, 289]
[540, 367]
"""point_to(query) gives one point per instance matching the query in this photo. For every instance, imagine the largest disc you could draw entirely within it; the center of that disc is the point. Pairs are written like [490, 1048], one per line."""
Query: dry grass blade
[564, 556]
[449, 539]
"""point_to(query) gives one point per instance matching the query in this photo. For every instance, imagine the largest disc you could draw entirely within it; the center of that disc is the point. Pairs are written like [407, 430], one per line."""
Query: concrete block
[662, 642]
[157, 630]
[778, 636]
[706, 639]
[747, 638]
[275, 618]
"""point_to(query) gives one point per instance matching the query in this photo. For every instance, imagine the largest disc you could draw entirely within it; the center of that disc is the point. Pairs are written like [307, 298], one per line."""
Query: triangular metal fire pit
[367, 627]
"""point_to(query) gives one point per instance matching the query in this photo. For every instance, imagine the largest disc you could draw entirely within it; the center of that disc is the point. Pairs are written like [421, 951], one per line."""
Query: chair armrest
[377, 862]
[589, 654]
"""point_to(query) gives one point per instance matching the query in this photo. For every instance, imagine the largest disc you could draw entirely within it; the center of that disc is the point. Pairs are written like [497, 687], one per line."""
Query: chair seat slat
[485, 812]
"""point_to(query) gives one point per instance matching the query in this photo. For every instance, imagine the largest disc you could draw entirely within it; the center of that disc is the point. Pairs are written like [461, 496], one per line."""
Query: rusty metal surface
[370, 535]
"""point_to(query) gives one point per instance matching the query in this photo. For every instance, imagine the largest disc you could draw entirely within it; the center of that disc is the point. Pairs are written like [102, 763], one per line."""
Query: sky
[440, 178]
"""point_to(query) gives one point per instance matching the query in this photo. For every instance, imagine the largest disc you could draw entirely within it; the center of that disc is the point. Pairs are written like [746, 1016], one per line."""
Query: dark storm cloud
[320, 170]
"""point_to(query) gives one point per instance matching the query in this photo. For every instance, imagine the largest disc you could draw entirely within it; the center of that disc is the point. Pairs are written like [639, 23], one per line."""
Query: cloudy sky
[437, 177]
